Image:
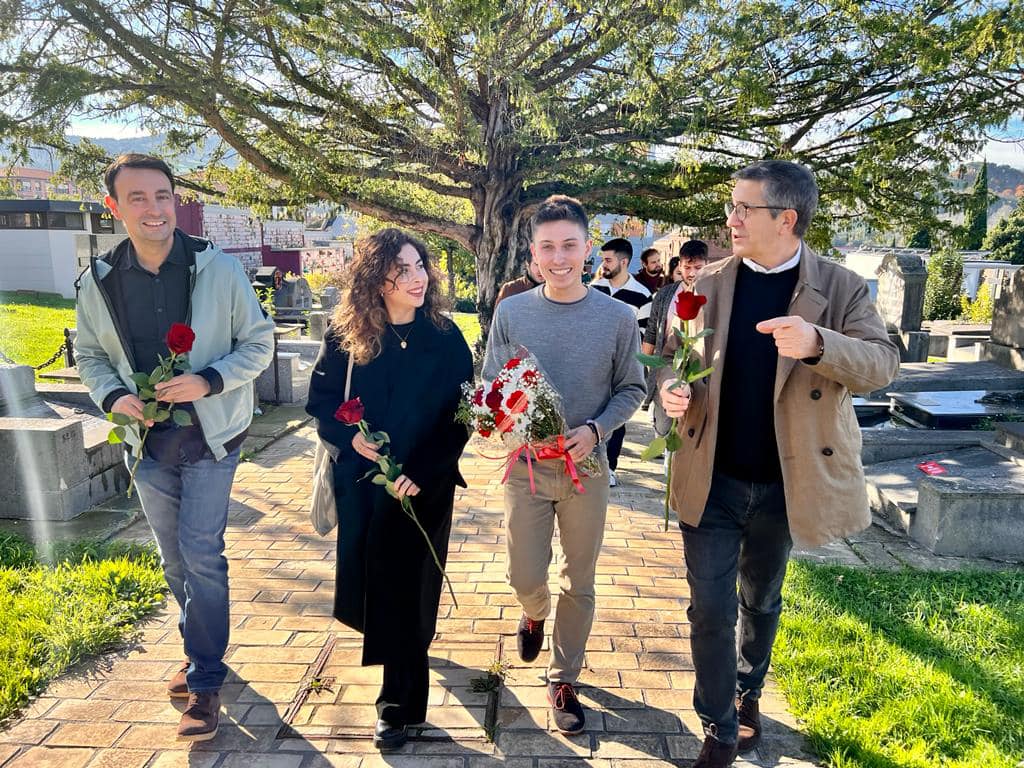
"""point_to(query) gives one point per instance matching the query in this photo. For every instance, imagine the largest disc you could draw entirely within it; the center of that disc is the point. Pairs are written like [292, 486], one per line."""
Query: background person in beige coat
[771, 445]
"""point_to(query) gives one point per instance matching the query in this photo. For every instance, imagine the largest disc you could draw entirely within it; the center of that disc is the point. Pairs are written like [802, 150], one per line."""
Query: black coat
[387, 585]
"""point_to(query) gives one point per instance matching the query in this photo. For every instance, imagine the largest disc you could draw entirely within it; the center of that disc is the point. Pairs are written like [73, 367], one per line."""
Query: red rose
[517, 402]
[484, 432]
[478, 397]
[502, 422]
[512, 363]
[493, 399]
[180, 339]
[350, 412]
[688, 305]
[529, 378]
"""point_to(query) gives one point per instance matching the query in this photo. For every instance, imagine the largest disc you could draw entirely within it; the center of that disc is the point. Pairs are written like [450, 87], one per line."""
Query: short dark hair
[647, 254]
[135, 160]
[620, 245]
[694, 250]
[672, 264]
[560, 208]
[786, 185]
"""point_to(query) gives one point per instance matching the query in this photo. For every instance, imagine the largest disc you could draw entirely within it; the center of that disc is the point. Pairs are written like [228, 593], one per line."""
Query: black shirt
[147, 305]
[747, 449]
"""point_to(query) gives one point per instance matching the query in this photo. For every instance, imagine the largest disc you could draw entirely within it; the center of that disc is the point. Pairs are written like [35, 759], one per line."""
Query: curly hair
[361, 317]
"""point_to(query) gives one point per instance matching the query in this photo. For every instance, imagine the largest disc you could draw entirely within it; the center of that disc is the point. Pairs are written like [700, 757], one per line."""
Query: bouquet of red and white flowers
[521, 409]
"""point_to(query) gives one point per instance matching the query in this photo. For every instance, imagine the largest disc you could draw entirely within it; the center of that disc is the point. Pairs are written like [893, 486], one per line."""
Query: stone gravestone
[900, 302]
[317, 325]
[1007, 345]
[329, 298]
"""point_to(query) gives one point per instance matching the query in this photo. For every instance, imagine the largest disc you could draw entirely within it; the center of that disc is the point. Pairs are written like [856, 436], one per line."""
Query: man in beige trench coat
[771, 445]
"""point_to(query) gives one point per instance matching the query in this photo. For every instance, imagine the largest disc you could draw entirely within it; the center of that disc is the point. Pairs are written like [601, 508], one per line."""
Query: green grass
[905, 669]
[32, 326]
[469, 324]
[54, 615]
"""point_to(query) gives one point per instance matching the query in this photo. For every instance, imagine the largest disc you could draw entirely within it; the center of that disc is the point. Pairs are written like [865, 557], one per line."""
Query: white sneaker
[612, 479]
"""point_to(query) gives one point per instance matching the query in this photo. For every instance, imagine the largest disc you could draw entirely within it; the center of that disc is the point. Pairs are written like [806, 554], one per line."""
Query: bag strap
[348, 378]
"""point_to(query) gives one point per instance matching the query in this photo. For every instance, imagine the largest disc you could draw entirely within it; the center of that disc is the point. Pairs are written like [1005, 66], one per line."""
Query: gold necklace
[402, 339]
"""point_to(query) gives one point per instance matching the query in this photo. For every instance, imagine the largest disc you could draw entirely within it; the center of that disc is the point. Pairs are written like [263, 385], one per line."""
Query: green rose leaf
[141, 379]
[378, 479]
[149, 410]
[120, 418]
[704, 333]
[651, 361]
[155, 376]
[182, 418]
[162, 415]
[146, 393]
[655, 449]
[673, 442]
[116, 436]
[699, 374]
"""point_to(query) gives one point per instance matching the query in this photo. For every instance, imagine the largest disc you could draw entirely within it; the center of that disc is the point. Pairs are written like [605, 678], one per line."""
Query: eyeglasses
[742, 209]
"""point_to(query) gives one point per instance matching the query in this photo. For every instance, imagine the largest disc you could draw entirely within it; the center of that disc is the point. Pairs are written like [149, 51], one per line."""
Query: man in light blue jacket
[128, 300]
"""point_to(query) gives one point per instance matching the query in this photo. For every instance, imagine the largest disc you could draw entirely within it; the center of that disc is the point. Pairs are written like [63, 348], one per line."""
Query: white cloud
[94, 129]
[1004, 153]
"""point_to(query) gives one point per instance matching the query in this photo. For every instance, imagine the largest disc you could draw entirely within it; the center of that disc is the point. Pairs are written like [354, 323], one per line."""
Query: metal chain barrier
[60, 351]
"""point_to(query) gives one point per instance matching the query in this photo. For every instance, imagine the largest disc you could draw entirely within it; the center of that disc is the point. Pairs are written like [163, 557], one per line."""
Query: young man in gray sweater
[601, 384]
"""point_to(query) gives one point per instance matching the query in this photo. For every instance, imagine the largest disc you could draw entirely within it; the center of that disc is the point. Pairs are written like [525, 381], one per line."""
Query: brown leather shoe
[199, 721]
[749, 715]
[715, 754]
[177, 688]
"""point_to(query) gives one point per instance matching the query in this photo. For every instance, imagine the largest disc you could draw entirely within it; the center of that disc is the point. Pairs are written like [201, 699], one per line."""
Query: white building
[43, 242]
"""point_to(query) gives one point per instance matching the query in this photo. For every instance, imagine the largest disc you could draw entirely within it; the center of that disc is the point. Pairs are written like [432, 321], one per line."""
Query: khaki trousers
[530, 527]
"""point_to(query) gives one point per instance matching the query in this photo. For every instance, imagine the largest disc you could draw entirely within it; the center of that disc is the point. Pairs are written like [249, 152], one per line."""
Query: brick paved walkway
[637, 684]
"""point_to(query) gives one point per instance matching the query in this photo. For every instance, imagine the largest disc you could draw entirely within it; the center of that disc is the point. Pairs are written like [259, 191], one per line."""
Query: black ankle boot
[388, 737]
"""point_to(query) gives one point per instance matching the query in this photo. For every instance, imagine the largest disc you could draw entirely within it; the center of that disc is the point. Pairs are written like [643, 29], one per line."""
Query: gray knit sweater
[587, 349]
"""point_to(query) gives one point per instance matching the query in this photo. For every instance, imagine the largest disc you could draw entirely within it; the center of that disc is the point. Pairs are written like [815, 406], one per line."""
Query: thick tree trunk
[501, 251]
[500, 217]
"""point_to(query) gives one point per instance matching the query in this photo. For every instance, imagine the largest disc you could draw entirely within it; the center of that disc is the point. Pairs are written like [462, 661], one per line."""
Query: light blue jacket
[233, 337]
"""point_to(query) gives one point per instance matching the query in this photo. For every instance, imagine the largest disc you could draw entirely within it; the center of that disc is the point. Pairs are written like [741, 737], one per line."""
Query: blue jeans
[744, 535]
[187, 508]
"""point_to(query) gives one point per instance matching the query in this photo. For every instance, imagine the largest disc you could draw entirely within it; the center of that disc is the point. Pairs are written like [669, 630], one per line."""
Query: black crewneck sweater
[746, 448]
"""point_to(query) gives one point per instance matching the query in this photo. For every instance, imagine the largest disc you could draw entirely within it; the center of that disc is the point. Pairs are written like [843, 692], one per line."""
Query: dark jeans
[187, 508]
[615, 446]
[403, 696]
[743, 534]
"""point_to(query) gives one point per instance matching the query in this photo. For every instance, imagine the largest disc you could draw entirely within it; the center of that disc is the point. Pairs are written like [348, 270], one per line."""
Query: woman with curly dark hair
[409, 362]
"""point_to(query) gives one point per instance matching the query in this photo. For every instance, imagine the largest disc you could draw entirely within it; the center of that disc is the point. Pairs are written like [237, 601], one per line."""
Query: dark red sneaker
[529, 638]
[715, 754]
[566, 710]
[749, 714]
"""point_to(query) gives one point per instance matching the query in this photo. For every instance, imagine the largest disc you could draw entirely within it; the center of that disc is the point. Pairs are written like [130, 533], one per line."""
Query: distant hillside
[145, 144]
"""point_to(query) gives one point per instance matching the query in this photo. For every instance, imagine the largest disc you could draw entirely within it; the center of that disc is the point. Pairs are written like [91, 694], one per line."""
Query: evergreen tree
[976, 221]
[1006, 241]
[922, 238]
[942, 288]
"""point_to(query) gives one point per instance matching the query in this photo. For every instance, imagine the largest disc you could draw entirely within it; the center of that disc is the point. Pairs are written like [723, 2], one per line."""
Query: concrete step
[975, 509]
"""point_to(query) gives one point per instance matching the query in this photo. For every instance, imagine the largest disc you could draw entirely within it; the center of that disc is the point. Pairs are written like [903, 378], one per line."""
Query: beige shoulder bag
[323, 510]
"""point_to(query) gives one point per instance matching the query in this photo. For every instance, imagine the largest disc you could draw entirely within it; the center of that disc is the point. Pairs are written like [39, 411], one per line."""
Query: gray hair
[786, 185]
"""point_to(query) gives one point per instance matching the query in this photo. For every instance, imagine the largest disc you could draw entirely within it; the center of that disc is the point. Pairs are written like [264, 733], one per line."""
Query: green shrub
[942, 288]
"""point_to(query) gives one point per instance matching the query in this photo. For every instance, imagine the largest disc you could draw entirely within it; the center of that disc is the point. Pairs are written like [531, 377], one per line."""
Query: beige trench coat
[815, 425]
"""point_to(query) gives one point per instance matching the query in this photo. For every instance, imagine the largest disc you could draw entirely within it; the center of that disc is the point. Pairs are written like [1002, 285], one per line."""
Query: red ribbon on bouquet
[543, 453]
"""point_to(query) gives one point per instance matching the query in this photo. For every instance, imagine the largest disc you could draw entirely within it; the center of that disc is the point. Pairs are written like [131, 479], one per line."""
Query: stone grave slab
[963, 409]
